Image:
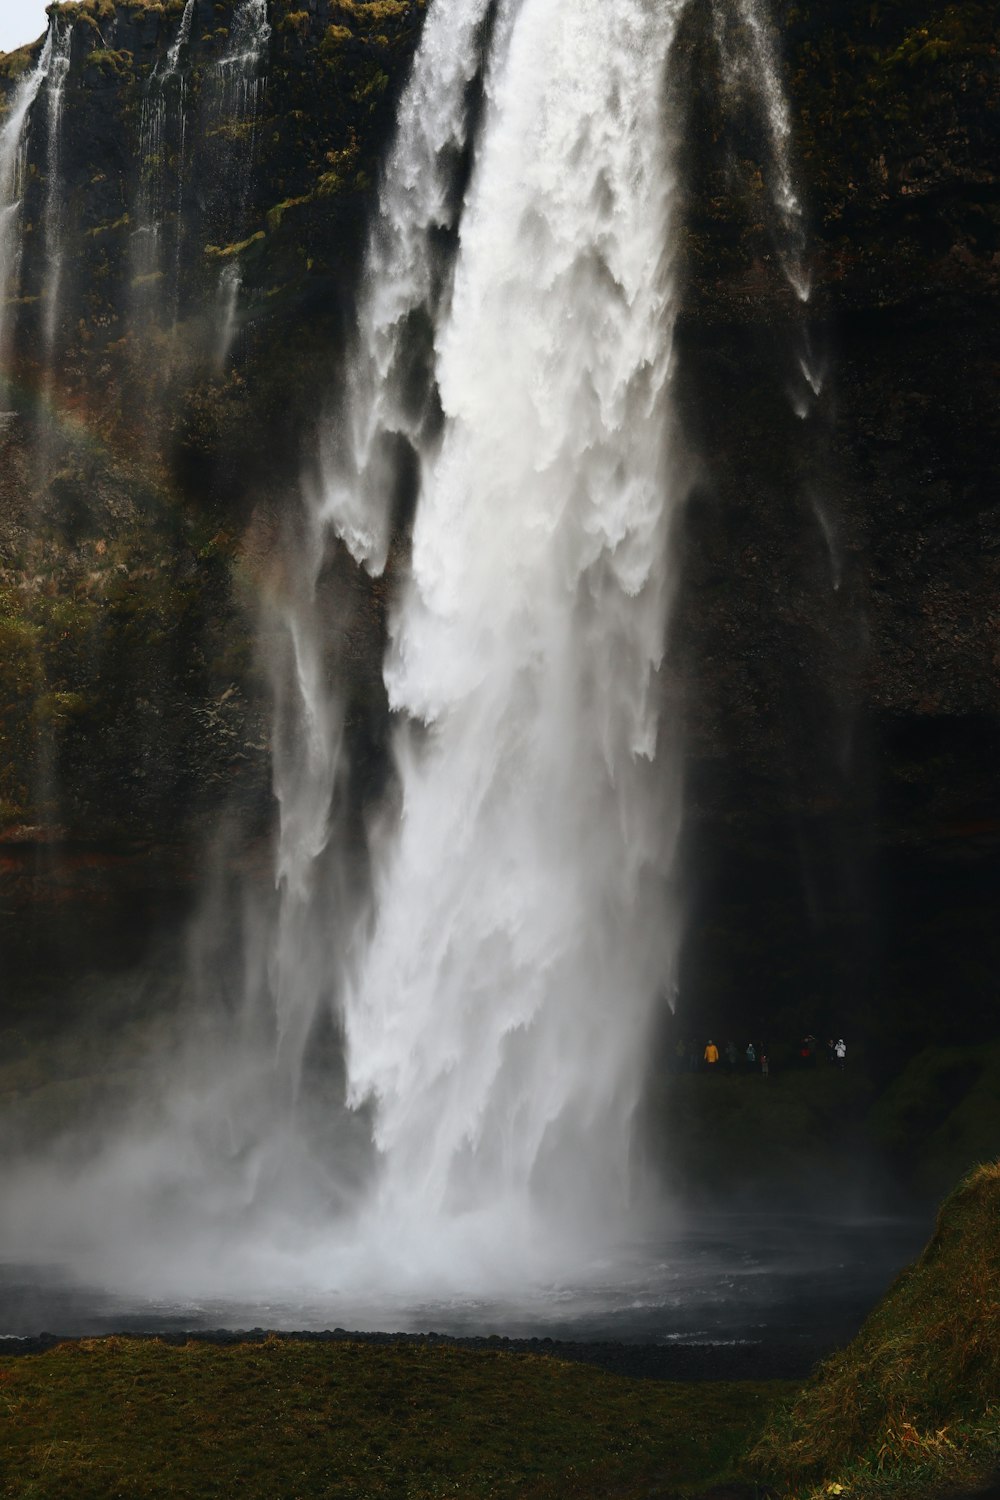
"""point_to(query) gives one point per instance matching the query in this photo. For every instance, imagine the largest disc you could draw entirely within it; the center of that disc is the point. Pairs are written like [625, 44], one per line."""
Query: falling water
[403, 282]
[240, 89]
[152, 186]
[174, 71]
[52, 212]
[230, 281]
[165, 98]
[181, 40]
[239, 69]
[495, 997]
[748, 47]
[403, 287]
[497, 1015]
[13, 157]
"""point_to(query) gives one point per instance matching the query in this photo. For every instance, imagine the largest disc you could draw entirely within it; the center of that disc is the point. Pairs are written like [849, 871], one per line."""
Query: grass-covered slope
[289, 1420]
[911, 1408]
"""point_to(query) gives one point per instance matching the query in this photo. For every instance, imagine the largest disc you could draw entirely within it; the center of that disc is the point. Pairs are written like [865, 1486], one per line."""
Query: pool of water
[784, 1279]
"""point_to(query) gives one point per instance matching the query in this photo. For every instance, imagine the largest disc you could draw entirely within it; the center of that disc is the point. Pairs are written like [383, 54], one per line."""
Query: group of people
[836, 1052]
[753, 1058]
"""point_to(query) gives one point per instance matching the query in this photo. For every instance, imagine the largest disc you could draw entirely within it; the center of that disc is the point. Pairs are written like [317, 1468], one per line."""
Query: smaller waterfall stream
[174, 70]
[181, 40]
[240, 85]
[13, 156]
[239, 67]
[162, 132]
[404, 282]
[403, 287]
[228, 298]
[491, 964]
[748, 48]
[53, 210]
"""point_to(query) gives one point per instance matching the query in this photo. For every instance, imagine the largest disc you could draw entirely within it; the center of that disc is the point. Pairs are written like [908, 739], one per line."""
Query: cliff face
[209, 230]
[838, 620]
[836, 631]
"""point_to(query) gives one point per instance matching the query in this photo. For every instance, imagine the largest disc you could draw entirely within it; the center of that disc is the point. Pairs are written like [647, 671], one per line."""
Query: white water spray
[13, 160]
[239, 69]
[227, 300]
[496, 1001]
[403, 282]
[402, 286]
[240, 86]
[53, 209]
[152, 198]
[748, 49]
[164, 100]
[181, 40]
[174, 70]
[498, 1015]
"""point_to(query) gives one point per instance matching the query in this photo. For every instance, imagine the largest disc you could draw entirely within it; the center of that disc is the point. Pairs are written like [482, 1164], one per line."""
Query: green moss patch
[294, 1419]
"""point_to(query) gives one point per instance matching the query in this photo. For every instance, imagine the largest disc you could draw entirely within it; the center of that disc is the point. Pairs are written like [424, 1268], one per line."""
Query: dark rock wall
[838, 616]
[836, 627]
[144, 489]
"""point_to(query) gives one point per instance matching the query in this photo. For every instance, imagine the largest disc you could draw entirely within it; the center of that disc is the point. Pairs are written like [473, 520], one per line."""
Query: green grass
[285, 1418]
[911, 1408]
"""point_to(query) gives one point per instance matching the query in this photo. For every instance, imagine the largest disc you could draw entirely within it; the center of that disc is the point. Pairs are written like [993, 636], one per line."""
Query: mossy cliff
[835, 647]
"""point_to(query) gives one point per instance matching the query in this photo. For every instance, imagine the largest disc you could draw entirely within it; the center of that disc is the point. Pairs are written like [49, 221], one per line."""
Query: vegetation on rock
[911, 1408]
[285, 1418]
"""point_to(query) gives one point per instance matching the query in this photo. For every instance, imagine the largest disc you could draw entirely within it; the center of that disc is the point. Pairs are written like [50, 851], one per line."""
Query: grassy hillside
[288, 1420]
[911, 1408]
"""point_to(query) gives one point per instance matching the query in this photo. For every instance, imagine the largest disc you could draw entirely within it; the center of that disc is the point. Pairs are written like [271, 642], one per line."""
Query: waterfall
[748, 48]
[402, 285]
[493, 959]
[13, 155]
[239, 89]
[402, 289]
[174, 70]
[239, 71]
[228, 297]
[498, 1012]
[152, 198]
[164, 99]
[53, 208]
[181, 40]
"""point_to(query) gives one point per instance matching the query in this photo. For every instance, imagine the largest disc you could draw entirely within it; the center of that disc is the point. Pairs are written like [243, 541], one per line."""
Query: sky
[21, 21]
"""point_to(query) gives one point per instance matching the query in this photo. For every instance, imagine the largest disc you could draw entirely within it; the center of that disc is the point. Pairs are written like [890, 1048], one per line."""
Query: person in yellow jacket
[711, 1056]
